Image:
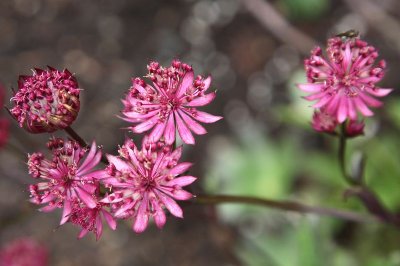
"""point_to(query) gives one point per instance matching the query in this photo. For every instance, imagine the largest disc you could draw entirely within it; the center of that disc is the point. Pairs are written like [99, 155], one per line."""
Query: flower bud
[46, 101]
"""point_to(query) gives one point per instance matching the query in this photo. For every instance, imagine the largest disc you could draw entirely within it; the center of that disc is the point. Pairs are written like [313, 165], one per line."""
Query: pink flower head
[46, 101]
[24, 252]
[344, 83]
[65, 177]
[90, 219]
[145, 181]
[170, 103]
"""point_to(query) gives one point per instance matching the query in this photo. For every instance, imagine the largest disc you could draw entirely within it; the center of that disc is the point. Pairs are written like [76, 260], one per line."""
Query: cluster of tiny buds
[46, 101]
[34, 163]
[160, 75]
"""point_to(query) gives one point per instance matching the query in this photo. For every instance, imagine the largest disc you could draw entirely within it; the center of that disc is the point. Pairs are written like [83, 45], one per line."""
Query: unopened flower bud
[46, 101]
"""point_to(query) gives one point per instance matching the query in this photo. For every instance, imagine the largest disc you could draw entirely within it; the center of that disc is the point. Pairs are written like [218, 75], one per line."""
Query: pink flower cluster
[140, 183]
[343, 83]
[24, 252]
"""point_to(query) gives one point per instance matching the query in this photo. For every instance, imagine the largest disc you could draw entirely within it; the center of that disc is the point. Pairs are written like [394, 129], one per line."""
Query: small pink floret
[146, 181]
[169, 104]
[67, 177]
[343, 83]
[91, 219]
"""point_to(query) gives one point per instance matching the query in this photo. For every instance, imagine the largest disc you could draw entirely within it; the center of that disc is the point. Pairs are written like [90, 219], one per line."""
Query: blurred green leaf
[306, 9]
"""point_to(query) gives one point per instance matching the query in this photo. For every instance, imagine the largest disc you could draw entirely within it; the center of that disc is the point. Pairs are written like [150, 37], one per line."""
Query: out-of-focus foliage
[305, 9]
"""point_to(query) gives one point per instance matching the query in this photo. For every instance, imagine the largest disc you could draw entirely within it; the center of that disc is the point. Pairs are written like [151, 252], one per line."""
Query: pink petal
[112, 198]
[157, 132]
[207, 83]
[114, 182]
[142, 217]
[193, 125]
[48, 208]
[171, 205]
[351, 110]
[332, 106]
[322, 102]
[133, 116]
[82, 233]
[369, 100]
[311, 87]
[148, 124]
[90, 165]
[362, 107]
[202, 101]
[180, 168]
[347, 57]
[99, 227]
[379, 92]
[177, 153]
[118, 163]
[66, 212]
[86, 197]
[99, 174]
[315, 96]
[169, 133]
[139, 88]
[159, 216]
[109, 219]
[90, 156]
[205, 117]
[371, 79]
[181, 194]
[47, 198]
[181, 181]
[184, 132]
[187, 81]
[121, 211]
[342, 110]
[90, 188]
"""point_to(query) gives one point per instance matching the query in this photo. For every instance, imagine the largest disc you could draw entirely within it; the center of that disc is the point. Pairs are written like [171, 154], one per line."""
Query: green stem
[75, 136]
[342, 157]
[285, 205]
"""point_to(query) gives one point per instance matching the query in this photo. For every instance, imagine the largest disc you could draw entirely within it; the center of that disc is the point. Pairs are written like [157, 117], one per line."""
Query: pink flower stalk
[24, 252]
[46, 101]
[4, 122]
[344, 83]
[169, 104]
[90, 219]
[66, 177]
[146, 181]
[327, 123]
